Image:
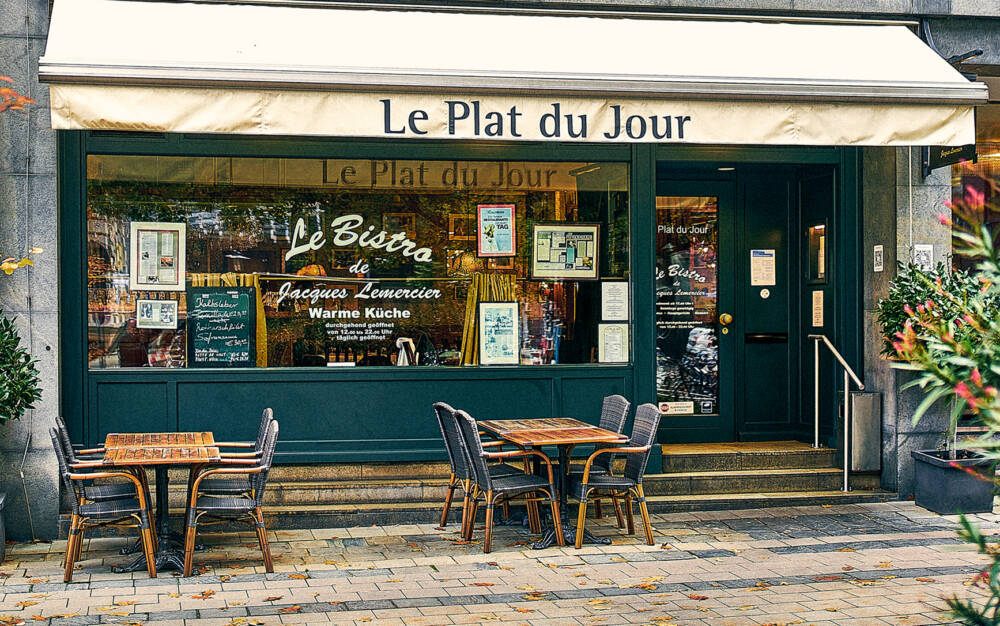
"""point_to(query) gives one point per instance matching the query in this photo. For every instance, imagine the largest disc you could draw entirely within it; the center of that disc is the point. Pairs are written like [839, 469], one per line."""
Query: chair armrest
[597, 453]
[235, 444]
[256, 469]
[87, 464]
[131, 477]
[239, 455]
[523, 453]
[91, 451]
[493, 444]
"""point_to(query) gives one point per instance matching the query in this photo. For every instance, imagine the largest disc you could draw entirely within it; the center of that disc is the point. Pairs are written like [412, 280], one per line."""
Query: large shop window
[260, 262]
[976, 186]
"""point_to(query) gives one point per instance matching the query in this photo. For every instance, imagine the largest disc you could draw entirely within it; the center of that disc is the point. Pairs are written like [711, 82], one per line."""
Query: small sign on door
[762, 269]
[817, 308]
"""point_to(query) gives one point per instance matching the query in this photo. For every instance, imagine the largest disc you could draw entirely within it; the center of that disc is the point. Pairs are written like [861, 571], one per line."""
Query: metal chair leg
[467, 487]
[598, 514]
[452, 484]
[616, 501]
[488, 539]
[471, 528]
[557, 521]
[262, 539]
[644, 511]
[74, 528]
[189, 547]
[628, 514]
[146, 537]
[581, 519]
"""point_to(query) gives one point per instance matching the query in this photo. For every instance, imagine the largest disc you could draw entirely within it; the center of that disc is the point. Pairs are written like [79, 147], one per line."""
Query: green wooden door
[696, 323]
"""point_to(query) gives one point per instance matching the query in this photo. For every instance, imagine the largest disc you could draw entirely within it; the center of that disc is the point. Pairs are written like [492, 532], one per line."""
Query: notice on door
[817, 308]
[762, 270]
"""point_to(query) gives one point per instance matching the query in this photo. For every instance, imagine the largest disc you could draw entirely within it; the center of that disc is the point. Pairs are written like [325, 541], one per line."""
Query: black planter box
[942, 487]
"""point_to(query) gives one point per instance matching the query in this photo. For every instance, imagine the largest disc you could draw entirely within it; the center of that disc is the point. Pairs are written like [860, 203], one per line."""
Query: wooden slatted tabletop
[551, 431]
[162, 455]
[160, 440]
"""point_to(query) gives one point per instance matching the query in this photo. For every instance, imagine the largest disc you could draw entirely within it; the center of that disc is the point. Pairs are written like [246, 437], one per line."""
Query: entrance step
[754, 481]
[766, 455]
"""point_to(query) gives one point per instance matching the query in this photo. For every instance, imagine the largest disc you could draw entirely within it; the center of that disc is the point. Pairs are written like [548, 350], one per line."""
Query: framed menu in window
[156, 256]
[567, 251]
[499, 341]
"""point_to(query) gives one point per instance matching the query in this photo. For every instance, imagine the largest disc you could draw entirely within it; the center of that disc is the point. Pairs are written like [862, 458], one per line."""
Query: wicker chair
[92, 492]
[230, 509]
[89, 514]
[460, 474]
[496, 489]
[239, 486]
[647, 419]
[614, 411]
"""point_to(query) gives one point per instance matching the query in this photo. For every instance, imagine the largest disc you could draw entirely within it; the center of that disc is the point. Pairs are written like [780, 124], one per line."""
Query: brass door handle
[725, 319]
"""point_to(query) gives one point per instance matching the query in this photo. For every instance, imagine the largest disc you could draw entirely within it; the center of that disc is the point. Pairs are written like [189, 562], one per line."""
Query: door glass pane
[687, 355]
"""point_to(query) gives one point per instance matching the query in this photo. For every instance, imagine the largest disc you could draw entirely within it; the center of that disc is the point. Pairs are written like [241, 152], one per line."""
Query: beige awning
[290, 69]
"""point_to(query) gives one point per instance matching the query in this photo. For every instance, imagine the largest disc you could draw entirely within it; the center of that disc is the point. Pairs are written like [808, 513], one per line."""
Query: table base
[177, 539]
[166, 559]
[569, 535]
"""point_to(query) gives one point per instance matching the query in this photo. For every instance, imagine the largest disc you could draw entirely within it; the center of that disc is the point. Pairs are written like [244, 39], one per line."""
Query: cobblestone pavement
[888, 563]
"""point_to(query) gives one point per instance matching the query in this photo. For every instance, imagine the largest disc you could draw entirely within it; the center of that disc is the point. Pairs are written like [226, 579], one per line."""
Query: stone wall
[30, 295]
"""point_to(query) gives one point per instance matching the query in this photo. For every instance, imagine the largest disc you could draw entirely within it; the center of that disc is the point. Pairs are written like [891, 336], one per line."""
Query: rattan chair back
[448, 423]
[614, 411]
[259, 480]
[647, 420]
[472, 448]
[75, 488]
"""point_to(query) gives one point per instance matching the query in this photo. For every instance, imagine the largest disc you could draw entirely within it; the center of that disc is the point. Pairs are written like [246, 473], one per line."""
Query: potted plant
[922, 319]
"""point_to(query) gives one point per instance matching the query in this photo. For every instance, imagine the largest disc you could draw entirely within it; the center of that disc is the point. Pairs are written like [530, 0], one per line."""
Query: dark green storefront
[766, 200]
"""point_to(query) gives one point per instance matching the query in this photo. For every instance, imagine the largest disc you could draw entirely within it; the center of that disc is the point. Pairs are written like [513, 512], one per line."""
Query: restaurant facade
[347, 213]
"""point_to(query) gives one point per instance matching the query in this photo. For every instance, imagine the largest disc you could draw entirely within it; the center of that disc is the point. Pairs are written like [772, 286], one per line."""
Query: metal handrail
[849, 375]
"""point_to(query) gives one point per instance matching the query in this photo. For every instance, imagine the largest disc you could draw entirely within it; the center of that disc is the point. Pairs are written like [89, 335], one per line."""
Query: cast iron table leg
[167, 556]
[568, 530]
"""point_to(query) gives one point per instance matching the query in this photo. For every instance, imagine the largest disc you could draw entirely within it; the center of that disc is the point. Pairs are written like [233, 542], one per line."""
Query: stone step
[367, 514]
[679, 458]
[754, 481]
[409, 490]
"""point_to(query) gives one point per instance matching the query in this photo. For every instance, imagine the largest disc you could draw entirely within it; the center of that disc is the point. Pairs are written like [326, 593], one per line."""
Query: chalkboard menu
[221, 327]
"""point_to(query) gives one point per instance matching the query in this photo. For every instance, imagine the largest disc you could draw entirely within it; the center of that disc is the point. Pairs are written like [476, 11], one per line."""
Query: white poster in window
[612, 343]
[156, 314]
[499, 342]
[762, 270]
[817, 308]
[156, 256]
[614, 300]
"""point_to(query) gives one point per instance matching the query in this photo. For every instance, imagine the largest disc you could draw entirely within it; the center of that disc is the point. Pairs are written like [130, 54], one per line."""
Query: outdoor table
[566, 433]
[160, 450]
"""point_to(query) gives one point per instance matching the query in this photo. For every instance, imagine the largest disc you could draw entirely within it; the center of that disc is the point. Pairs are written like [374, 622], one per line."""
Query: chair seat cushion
[600, 482]
[110, 509]
[109, 491]
[225, 505]
[225, 486]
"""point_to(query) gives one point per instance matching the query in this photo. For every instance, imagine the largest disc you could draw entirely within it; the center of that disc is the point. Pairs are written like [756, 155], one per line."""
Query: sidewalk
[887, 563]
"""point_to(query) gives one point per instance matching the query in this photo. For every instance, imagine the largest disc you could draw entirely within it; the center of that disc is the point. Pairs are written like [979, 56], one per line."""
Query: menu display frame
[194, 326]
[544, 235]
[157, 250]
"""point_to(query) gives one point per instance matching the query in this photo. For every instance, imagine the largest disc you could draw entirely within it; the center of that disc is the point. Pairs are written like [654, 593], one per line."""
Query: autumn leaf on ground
[204, 595]
[595, 601]
[925, 580]
[535, 596]
[653, 579]
[290, 609]
[8, 620]
[646, 586]
[520, 610]
[26, 604]
[299, 576]
[845, 550]
[827, 578]
[526, 588]
[126, 602]
[224, 578]
[695, 596]
[745, 608]
[884, 565]
[847, 568]
[666, 547]
[831, 609]
[483, 584]
[273, 598]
